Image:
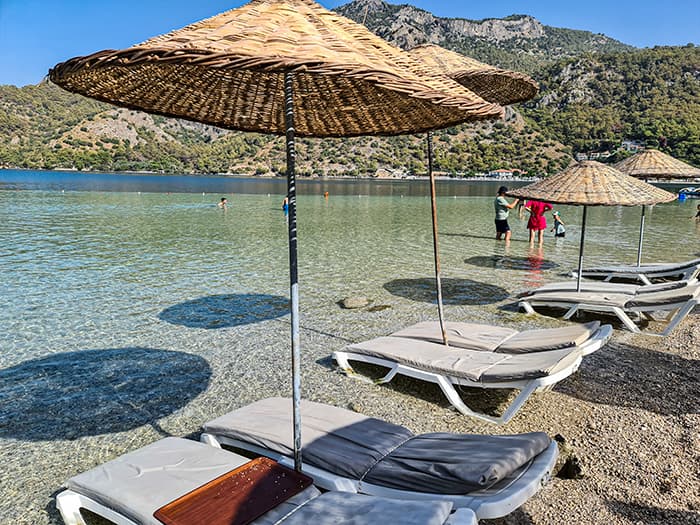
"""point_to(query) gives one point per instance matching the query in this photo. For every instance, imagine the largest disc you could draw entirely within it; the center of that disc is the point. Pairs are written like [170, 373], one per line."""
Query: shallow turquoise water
[127, 316]
[80, 268]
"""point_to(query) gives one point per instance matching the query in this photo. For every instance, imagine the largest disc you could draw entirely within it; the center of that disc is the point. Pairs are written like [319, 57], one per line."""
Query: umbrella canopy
[591, 183]
[652, 163]
[490, 83]
[228, 71]
[278, 66]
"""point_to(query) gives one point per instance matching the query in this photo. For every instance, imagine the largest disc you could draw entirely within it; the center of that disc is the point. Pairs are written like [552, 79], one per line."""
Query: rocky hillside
[517, 42]
[45, 127]
[589, 101]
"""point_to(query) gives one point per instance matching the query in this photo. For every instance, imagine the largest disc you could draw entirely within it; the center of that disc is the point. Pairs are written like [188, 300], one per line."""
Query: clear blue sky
[36, 34]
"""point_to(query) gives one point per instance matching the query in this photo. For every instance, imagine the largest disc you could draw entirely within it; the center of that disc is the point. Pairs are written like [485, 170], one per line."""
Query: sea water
[133, 307]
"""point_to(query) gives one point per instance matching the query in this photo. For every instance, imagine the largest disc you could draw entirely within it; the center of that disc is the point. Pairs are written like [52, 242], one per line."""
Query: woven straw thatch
[228, 71]
[591, 183]
[490, 83]
[653, 163]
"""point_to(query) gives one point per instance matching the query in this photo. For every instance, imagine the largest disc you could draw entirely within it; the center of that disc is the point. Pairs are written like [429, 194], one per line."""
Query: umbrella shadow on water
[92, 392]
[505, 262]
[226, 311]
[454, 291]
[629, 376]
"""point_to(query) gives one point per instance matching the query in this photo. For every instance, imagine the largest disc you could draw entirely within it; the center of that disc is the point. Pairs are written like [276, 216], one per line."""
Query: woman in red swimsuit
[537, 222]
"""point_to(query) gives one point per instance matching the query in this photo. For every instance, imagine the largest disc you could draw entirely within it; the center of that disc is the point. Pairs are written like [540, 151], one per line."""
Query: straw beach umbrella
[490, 83]
[654, 164]
[284, 67]
[590, 183]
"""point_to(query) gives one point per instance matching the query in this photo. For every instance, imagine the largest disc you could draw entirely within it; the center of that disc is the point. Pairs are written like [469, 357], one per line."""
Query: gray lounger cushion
[337, 440]
[334, 508]
[606, 287]
[473, 365]
[645, 268]
[434, 463]
[472, 336]
[540, 340]
[140, 482]
[668, 297]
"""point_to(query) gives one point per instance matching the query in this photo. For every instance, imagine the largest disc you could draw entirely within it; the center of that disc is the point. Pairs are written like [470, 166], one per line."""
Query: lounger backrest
[549, 338]
[664, 298]
[340, 441]
[472, 336]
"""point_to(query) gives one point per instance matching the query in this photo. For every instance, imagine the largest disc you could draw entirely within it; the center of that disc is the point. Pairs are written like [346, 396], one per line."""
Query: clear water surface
[132, 307]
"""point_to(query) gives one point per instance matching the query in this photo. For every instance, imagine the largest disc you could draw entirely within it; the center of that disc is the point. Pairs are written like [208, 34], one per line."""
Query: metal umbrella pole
[293, 272]
[436, 252]
[580, 251]
[641, 237]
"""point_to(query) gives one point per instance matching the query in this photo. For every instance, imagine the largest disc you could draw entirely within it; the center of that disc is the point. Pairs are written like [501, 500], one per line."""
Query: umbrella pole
[436, 251]
[641, 237]
[580, 250]
[293, 274]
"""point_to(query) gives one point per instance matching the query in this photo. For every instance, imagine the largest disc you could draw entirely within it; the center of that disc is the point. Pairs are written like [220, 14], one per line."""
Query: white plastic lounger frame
[494, 502]
[69, 504]
[644, 273]
[446, 382]
[676, 311]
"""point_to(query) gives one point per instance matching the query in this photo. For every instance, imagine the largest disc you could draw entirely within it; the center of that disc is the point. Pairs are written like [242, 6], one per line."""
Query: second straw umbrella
[284, 67]
[591, 183]
[493, 84]
[654, 164]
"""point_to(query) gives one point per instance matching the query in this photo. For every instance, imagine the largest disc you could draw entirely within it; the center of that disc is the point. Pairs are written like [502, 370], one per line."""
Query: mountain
[595, 93]
[44, 127]
[518, 42]
[594, 102]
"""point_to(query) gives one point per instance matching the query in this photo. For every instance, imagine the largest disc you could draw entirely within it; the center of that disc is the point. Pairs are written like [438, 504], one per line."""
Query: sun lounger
[646, 273]
[609, 287]
[131, 488]
[346, 451]
[676, 303]
[479, 356]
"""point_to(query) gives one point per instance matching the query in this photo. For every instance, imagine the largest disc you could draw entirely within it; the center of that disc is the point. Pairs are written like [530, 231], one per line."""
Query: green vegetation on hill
[589, 101]
[594, 102]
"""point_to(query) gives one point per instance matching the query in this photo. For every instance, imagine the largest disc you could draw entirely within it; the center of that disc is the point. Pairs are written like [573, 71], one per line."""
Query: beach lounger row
[375, 471]
[627, 302]
[479, 356]
[646, 273]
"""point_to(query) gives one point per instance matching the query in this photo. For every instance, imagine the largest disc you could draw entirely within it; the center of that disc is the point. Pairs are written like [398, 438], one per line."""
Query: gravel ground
[630, 416]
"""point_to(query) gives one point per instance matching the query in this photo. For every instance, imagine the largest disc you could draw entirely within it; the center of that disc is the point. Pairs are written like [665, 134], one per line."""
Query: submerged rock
[354, 301]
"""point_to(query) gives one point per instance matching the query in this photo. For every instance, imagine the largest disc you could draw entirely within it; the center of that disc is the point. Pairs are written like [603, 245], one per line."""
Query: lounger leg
[644, 279]
[448, 389]
[626, 320]
[527, 307]
[68, 504]
[680, 315]
[342, 359]
[571, 311]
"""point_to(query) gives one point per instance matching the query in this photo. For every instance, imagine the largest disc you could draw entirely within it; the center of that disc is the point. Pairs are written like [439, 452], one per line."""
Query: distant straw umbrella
[490, 83]
[284, 67]
[654, 164]
[591, 183]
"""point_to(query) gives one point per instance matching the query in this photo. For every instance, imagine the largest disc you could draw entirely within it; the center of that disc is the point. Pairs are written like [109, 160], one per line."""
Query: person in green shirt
[502, 207]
